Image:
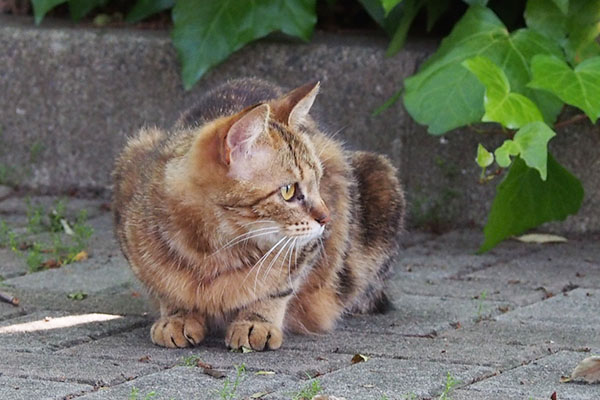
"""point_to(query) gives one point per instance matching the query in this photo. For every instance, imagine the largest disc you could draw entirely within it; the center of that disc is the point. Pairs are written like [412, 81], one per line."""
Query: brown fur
[185, 201]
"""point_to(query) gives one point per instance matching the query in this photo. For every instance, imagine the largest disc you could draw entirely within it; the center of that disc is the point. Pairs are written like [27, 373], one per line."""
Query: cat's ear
[292, 108]
[242, 135]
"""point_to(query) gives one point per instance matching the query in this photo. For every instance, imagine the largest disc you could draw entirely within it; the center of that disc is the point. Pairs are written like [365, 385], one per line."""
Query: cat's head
[264, 172]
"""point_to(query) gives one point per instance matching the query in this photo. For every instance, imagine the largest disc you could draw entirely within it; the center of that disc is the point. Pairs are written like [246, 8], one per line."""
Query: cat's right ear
[242, 135]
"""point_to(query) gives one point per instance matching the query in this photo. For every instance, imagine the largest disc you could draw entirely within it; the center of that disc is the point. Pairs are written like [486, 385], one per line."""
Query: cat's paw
[178, 331]
[253, 335]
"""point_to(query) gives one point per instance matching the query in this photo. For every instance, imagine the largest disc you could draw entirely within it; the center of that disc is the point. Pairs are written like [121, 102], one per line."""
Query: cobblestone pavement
[504, 325]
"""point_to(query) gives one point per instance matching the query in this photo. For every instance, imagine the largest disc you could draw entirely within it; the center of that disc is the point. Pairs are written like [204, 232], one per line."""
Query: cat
[246, 215]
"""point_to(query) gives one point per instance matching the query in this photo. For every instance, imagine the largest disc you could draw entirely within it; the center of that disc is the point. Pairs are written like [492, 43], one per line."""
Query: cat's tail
[381, 206]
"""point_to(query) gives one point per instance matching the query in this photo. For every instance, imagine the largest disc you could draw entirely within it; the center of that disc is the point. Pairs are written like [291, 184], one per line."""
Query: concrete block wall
[70, 96]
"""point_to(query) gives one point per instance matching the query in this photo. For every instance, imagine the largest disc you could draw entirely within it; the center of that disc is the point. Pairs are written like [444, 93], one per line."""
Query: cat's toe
[253, 335]
[169, 332]
[194, 330]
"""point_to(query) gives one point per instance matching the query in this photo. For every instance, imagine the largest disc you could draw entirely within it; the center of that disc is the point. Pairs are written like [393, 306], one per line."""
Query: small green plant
[480, 304]
[78, 295]
[451, 382]
[34, 258]
[56, 215]
[35, 217]
[310, 390]
[135, 392]
[409, 396]
[230, 387]
[189, 361]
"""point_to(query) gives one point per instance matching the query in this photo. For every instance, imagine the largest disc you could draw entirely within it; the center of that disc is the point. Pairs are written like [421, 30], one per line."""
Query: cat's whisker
[261, 261]
[294, 248]
[261, 221]
[272, 263]
[246, 236]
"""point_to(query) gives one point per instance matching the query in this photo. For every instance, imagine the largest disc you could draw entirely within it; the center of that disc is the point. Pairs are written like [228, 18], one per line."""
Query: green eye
[288, 191]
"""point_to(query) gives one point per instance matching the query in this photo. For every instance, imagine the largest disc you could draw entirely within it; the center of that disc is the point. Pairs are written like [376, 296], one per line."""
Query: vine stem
[570, 121]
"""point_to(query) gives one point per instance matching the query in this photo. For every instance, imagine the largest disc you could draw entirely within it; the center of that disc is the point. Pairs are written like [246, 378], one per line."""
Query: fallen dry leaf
[553, 396]
[359, 358]
[202, 364]
[259, 395]
[265, 373]
[214, 373]
[541, 238]
[144, 359]
[82, 255]
[52, 263]
[588, 369]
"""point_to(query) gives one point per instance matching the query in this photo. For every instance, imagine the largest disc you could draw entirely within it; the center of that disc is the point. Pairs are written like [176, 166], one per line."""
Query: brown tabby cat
[246, 214]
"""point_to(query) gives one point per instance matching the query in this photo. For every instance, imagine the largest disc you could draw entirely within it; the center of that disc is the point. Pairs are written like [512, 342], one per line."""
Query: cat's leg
[259, 326]
[178, 328]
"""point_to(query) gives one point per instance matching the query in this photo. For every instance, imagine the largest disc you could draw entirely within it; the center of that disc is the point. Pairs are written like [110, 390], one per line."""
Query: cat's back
[228, 98]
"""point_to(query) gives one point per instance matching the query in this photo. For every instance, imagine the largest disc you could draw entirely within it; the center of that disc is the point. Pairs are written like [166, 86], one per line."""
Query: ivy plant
[483, 72]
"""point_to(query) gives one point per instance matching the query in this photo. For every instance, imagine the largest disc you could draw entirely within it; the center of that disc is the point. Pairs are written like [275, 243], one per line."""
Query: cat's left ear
[292, 109]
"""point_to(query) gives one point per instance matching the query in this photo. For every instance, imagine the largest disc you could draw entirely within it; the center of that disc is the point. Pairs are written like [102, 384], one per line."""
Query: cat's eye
[288, 191]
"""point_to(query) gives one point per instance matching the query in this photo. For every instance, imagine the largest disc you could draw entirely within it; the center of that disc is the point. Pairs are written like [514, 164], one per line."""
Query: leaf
[41, 8]
[546, 18]
[435, 9]
[207, 32]
[259, 395]
[265, 373]
[444, 95]
[247, 350]
[388, 5]
[410, 10]
[588, 369]
[214, 373]
[77, 295]
[476, 2]
[531, 143]
[142, 9]
[524, 201]
[81, 256]
[579, 87]
[388, 103]
[541, 238]
[357, 358]
[512, 110]
[563, 5]
[484, 158]
[80, 8]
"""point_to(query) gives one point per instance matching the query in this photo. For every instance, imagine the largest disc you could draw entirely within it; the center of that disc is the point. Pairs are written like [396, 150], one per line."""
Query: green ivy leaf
[476, 2]
[531, 144]
[523, 201]
[389, 5]
[80, 8]
[444, 95]
[142, 9]
[563, 5]
[512, 110]
[484, 158]
[41, 8]
[579, 87]
[207, 32]
[410, 10]
[546, 18]
[503, 153]
[435, 9]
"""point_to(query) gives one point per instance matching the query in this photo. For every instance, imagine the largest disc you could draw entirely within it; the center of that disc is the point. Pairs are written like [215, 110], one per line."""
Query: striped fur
[201, 219]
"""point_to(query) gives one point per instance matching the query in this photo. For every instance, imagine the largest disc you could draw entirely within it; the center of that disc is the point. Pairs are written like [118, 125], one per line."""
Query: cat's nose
[321, 214]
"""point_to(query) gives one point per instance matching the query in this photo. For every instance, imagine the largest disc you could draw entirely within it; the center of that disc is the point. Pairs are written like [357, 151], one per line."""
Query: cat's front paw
[253, 335]
[178, 331]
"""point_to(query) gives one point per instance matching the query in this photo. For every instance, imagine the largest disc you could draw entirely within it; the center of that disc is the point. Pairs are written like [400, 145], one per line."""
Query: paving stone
[42, 340]
[376, 378]
[9, 311]
[80, 369]
[420, 315]
[10, 264]
[540, 379]
[73, 205]
[136, 345]
[90, 276]
[552, 337]
[480, 349]
[192, 383]
[28, 389]
[5, 191]
[569, 309]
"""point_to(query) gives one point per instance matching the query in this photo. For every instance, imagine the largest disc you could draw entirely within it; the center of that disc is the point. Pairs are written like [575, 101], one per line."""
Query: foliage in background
[481, 73]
